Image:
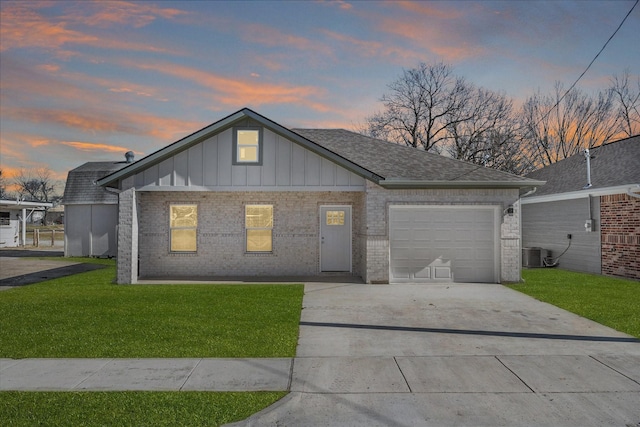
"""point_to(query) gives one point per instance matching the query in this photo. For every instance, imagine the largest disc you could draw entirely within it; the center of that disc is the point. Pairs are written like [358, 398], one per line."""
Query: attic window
[247, 146]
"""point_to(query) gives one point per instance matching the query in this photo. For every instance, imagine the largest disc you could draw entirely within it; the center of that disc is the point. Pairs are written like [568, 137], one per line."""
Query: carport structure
[13, 220]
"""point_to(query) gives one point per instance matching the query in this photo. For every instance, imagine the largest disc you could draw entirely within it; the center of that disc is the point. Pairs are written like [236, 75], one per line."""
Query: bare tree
[419, 107]
[560, 125]
[628, 103]
[3, 187]
[37, 185]
[485, 132]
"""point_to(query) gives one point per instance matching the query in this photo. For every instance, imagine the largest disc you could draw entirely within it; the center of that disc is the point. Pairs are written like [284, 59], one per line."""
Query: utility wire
[590, 63]
[574, 83]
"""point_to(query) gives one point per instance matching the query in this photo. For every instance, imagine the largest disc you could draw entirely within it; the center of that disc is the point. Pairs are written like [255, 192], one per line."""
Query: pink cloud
[105, 121]
[106, 14]
[237, 92]
[429, 9]
[95, 146]
[24, 27]
[339, 3]
[434, 27]
[274, 37]
[370, 48]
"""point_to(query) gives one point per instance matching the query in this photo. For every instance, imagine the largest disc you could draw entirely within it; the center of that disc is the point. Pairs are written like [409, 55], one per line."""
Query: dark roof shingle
[81, 189]
[400, 162]
[612, 164]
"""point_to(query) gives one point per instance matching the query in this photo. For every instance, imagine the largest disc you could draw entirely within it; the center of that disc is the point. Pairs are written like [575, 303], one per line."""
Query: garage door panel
[442, 273]
[435, 244]
[424, 273]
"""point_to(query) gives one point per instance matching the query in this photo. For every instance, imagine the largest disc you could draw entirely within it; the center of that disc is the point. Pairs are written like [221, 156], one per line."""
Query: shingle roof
[387, 164]
[399, 162]
[614, 164]
[81, 189]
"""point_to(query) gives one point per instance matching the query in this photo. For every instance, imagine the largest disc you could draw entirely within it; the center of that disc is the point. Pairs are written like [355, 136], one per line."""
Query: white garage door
[444, 244]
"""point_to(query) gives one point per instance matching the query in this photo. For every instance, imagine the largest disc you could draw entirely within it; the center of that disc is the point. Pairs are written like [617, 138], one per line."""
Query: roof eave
[585, 192]
[171, 149]
[400, 184]
[225, 123]
[25, 204]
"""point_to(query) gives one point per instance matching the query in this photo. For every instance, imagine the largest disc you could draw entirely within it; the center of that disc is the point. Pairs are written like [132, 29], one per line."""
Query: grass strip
[86, 315]
[130, 408]
[609, 301]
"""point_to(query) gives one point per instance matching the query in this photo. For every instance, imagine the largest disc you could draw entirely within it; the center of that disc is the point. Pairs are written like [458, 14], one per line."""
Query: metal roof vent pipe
[588, 157]
[129, 156]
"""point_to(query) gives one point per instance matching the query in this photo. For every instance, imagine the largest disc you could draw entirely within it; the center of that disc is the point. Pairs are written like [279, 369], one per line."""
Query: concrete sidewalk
[145, 374]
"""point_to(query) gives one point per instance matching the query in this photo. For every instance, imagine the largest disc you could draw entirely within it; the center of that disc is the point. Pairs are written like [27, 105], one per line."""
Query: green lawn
[86, 315]
[609, 301]
[130, 408]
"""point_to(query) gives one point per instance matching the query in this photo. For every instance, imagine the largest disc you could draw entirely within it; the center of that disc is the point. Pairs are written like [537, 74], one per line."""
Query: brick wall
[127, 260]
[377, 211]
[221, 241]
[620, 234]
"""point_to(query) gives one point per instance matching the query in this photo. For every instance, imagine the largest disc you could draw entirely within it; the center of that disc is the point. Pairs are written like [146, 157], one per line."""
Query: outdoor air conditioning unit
[533, 257]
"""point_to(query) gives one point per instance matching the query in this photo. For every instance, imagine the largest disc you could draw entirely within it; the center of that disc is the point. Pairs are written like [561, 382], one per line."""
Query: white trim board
[607, 191]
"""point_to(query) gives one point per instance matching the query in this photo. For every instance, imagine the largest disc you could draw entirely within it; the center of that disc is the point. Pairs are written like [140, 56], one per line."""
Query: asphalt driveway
[19, 267]
[459, 354]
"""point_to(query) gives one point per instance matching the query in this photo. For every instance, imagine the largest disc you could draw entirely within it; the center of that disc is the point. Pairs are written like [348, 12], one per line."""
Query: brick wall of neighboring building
[620, 233]
[221, 233]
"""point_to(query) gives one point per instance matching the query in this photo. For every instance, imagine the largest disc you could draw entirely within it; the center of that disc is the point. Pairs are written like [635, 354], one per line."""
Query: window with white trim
[259, 228]
[183, 228]
[247, 146]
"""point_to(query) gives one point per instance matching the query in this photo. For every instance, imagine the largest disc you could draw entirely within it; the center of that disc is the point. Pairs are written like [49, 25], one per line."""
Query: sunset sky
[87, 81]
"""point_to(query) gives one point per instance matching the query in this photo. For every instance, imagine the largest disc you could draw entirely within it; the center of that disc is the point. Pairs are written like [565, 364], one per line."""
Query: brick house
[603, 218]
[246, 196]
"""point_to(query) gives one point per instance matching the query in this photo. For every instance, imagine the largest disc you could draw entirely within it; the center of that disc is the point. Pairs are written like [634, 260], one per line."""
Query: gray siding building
[91, 211]
[603, 218]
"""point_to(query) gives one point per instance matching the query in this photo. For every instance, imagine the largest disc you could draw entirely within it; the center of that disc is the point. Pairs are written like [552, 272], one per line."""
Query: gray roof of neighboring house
[385, 163]
[612, 164]
[81, 188]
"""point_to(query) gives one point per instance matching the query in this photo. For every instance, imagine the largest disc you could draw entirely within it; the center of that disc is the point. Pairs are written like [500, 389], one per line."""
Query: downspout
[530, 192]
[632, 194]
[117, 192]
[24, 227]
[588, 157]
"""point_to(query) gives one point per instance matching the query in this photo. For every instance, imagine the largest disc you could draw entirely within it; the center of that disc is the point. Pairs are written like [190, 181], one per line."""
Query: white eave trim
[396, 183]
[620, 189]
[24, 204]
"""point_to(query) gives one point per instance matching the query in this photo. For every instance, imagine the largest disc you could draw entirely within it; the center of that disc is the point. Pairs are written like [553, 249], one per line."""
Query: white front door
[335, 238]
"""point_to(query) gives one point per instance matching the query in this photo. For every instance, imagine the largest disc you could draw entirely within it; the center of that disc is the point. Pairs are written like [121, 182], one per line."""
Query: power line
[592, 61]
[574, 83]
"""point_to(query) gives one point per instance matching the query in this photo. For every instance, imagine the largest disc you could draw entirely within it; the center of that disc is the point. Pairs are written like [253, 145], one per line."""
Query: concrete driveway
[458, 354]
